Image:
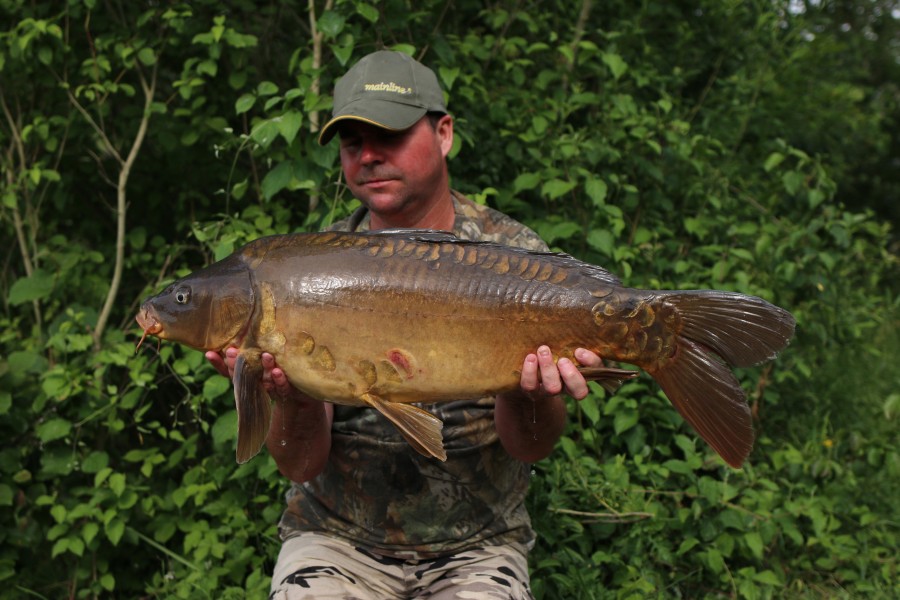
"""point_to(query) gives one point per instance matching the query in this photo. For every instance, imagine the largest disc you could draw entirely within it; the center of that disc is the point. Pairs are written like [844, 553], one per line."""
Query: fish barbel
[395, 317]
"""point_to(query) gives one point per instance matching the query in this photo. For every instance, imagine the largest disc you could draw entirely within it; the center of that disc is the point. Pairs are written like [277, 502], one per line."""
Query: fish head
[206, 310]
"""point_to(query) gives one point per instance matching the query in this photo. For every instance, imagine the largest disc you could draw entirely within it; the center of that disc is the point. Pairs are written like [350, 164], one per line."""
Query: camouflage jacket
[380, 494]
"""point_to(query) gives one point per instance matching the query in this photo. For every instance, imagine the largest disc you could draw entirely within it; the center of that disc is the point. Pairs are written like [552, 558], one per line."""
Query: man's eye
[349, 140]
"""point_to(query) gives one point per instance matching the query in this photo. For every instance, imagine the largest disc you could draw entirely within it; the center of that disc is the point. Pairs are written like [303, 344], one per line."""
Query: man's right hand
[300, 433]
[274, 379]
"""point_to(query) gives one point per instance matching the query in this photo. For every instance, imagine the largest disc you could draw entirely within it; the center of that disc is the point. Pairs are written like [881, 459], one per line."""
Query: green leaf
[596, 190]
[266, 88]
[815, 197]
[556, 187]
[767, 577]
[215, 386]
[526, 181]
[590, 408]
[714, 560]
[59, 547]
[773, 161]
[108, 582]
[408, 49]
[244, 103]
[225, 428]
[89, 531]
[792, 181]
[76, 546]
[289, 124]
[117, 483]
[602, 241]
[147, 56]
[58, 512]
[367, 11]
[624, 420]
[53, 429]
[114, 530]
[330, 23]
[686, 545]
[615, 63]
[755, 543]
[265, 133]
[448, 76]
[36, 287]
[277, 179]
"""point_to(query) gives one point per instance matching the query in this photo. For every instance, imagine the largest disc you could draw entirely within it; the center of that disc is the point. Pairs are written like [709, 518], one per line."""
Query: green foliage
[740, 145]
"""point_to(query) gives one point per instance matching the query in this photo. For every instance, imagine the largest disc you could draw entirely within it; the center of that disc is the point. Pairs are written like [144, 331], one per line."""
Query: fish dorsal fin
[420, 428]
[254, 409]
[423, 235]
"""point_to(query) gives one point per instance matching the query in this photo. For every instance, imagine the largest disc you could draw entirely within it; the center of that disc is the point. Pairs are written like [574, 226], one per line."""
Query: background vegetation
[745, 145]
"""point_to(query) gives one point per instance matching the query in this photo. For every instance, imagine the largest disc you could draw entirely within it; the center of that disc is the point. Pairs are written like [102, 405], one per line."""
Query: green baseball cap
[386, 89]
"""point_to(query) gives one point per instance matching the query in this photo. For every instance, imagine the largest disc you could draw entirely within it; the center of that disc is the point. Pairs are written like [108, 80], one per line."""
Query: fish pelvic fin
[254, 409]
[609, 378]
[420, 428]
[719, 330]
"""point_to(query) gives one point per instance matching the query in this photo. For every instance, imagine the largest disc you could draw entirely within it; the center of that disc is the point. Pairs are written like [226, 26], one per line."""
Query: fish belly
[420, 353]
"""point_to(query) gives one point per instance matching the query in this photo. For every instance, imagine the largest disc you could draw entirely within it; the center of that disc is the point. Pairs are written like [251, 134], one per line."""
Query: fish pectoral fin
[420, 428]
[609, 378]
[254, 409]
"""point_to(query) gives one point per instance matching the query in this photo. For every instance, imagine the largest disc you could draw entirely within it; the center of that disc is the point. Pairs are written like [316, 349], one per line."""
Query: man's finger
[217, 362]
[529, 380]
[574, 381]
[586, 358]
[549, 373]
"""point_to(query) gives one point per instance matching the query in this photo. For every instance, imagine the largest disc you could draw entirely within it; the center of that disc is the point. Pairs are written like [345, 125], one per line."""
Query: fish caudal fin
[720, 330]
[254, 409]
[743, 330]
[420, 428]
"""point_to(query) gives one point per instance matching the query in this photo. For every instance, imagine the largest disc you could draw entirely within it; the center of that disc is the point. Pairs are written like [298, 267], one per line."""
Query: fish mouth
[149, 323]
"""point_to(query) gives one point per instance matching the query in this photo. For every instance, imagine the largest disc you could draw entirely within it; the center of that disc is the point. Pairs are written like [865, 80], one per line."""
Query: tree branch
[122, 205]
[316, 82]
[18, 146]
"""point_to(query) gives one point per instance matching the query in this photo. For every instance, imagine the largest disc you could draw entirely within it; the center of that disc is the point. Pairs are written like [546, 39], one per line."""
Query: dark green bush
[742, 146]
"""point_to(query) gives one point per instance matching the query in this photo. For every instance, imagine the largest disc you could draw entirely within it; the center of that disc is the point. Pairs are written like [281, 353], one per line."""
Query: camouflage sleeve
[477, 222]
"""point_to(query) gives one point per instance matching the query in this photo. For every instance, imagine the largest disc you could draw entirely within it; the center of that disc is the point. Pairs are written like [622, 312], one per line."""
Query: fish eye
[183, 295]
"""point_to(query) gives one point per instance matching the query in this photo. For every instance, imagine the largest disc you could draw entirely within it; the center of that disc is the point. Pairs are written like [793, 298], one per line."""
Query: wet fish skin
[389, 318]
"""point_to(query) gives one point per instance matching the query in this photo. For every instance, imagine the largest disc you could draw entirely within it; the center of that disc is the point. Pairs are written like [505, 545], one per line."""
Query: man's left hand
[542, 378]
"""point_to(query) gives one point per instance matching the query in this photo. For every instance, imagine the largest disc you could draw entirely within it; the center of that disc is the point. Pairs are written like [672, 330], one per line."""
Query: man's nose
[370, 152]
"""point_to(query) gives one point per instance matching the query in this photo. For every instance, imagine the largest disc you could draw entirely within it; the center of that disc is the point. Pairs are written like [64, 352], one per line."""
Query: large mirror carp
[397, 317]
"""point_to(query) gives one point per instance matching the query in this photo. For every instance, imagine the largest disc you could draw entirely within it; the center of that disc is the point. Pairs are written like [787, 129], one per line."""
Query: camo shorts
[313, 566]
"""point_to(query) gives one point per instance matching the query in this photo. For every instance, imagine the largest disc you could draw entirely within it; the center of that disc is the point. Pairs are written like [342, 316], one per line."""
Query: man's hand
[530, 422]
[541, 378]
[300, 433]
[274, 379]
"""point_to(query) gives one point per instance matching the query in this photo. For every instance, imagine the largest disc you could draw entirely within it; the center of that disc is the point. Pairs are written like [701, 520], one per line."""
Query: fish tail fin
[420, 428]
[720, 330]
[254, 408]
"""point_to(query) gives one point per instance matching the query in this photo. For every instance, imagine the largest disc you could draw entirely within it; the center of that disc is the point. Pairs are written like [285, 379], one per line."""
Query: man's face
[396, 172]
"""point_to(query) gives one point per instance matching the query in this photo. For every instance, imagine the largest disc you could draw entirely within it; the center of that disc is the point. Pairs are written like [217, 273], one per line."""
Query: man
[367, 516]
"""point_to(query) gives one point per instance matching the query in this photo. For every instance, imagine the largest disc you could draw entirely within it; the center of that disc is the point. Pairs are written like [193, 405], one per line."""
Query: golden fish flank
[391, 318]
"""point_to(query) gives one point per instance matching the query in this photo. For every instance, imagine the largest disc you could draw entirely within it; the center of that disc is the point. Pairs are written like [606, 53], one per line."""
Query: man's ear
[444, 130]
